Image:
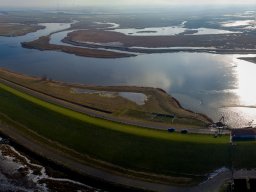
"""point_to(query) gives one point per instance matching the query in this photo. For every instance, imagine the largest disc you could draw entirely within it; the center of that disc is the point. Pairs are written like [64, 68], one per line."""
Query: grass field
[127, 146]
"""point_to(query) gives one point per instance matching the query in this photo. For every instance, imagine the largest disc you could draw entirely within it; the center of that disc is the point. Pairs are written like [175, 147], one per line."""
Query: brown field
[11, 30]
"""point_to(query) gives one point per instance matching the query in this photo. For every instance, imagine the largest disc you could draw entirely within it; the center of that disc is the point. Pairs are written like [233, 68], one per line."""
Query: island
[16, 29]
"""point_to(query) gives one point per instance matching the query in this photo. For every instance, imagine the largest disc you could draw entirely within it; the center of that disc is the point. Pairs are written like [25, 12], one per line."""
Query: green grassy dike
[131, 147]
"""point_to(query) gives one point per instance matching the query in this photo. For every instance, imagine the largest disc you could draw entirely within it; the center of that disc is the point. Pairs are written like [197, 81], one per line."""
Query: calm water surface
[203, 82]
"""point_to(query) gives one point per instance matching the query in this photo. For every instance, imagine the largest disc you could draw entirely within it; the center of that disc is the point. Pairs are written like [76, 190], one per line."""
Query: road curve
[70, 162]
[93, 113]
[74, 164]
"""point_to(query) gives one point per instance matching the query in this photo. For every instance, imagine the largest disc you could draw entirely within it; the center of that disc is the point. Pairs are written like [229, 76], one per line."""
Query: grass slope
[128, 146]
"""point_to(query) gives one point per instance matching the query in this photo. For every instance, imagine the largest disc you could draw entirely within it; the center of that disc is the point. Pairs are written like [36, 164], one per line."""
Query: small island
[43, 44]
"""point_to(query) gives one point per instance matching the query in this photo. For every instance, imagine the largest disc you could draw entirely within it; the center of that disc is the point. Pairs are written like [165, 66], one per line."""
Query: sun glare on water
[246, 79]
[244, 110]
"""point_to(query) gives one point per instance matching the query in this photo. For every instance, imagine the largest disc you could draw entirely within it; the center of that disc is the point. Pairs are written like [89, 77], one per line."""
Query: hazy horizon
[114, 3]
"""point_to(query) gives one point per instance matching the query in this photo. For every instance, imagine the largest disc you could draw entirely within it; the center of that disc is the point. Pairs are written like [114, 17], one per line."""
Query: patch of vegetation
[164, 119]
[244, 153]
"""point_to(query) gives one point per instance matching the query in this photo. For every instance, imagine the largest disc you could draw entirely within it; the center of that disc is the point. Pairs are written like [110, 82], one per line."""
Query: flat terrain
[87, 31]
[105, 101]
[223, 42]
[15, 29]
[43, 44]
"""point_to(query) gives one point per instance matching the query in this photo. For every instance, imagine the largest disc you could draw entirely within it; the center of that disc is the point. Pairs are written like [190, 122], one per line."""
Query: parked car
[184, 131]
[171, 130]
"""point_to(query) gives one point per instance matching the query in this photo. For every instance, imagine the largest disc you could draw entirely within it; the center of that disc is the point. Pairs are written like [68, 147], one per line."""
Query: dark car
[184, 131]
[171, 130]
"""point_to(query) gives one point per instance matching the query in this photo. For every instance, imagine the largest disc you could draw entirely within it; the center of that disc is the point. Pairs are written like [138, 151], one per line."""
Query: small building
[244, 134]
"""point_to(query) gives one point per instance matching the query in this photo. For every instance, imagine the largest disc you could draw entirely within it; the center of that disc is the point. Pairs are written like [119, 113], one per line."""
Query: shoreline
[42, 44]
[12, 132]
[19, 29]
[170, 103]
[111, 51]
[162, 50]
[249, 59]
[160, 44]
[93, 182]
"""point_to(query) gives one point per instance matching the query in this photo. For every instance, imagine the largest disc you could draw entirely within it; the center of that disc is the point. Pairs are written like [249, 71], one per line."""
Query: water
[238, 23]
[165, 31]
[18, 173]
[138, 98]
[57, 37]
[245, 14]
[111, 25]
[203, 82]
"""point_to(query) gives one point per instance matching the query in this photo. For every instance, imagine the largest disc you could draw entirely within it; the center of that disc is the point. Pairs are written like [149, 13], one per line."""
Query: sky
[77, 3]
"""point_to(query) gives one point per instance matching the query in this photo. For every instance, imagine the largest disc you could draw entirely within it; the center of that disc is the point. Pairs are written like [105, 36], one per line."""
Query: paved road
[211, 185]
[69, 161]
